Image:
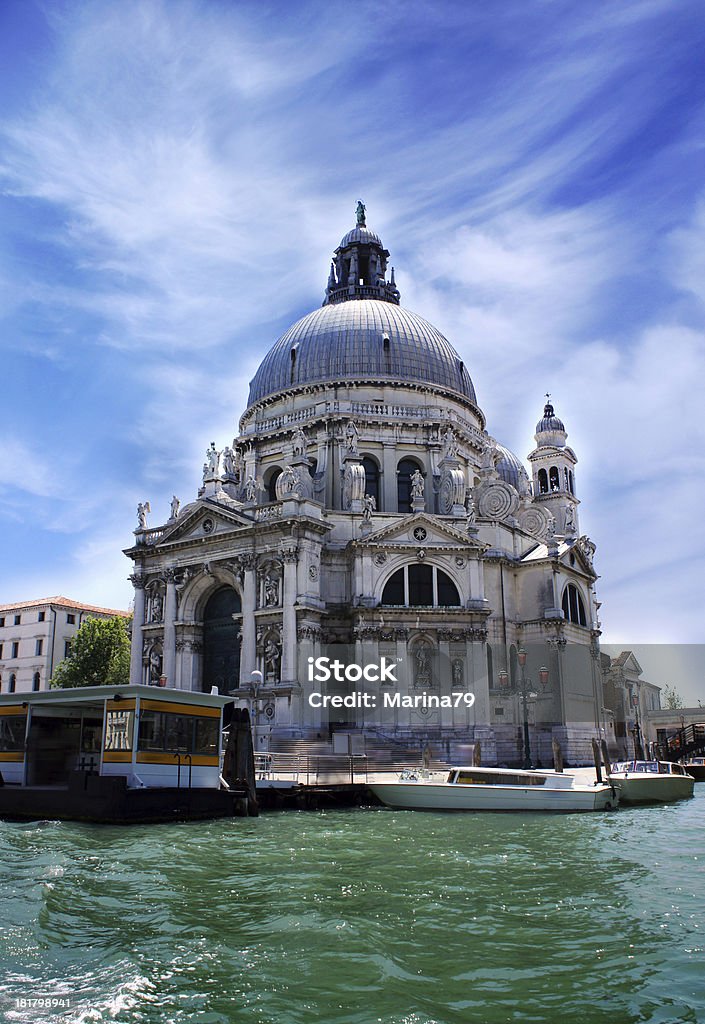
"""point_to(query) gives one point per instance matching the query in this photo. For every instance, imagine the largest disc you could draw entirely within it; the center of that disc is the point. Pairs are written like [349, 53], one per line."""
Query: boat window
[119, 726]
[12, 732]
[166, 731]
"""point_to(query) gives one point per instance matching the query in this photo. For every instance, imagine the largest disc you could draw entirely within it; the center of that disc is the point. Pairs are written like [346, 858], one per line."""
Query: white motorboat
[651, 782]
[493, 789]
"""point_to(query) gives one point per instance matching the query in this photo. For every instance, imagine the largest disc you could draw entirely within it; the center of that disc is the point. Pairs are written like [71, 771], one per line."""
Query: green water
[360, 916]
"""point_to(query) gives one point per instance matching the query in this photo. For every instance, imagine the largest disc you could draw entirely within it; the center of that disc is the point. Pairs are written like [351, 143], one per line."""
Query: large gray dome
[362, 340]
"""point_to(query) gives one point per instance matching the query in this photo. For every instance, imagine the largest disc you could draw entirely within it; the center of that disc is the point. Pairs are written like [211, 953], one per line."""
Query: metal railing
[327, 769]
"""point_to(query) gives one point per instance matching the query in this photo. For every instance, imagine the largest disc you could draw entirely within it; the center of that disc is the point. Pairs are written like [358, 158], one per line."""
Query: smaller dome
[511, 469]
[549, 421]
[361, 236]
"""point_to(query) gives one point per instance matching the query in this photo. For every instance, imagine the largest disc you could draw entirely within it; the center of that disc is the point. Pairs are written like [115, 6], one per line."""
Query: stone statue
[450, 445]
[250, 489]
[470, 504]
[288, 480]
[157, 607]
[174, 508]
[369, 506]
[488, 456]
[228, 462]
[569, 518]
[271, 591]
[299, 441]
[155, 665]
[458, 674]
[551, 528]
[271, 657]
[213, 459]
[417, 484]
[360, 214]
[423, 665]
[143, 509]
[351, 435]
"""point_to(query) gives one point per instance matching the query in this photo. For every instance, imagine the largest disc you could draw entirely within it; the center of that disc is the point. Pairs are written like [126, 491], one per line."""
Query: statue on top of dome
[360, 214]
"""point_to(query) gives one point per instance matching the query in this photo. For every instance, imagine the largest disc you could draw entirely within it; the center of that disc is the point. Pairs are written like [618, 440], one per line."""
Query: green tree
[672, 698]
[100, 656]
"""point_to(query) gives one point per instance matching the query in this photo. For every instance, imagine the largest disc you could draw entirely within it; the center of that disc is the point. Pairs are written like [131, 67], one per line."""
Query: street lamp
[524, 690]
[257, 680]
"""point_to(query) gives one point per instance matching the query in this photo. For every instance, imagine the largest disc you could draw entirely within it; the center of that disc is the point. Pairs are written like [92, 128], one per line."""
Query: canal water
[359, 917]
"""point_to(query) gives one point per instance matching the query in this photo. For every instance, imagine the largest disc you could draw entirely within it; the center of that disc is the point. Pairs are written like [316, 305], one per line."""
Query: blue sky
[174, 177]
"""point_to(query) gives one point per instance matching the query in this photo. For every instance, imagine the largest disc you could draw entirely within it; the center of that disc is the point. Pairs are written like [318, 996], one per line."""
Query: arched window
[420, 585]
[554, 478]
[573, 607]
[570, 481]
[405, 471]
[490, 670]
[270, 482]
[566, 484]
[372, 480]
[543, 481]
[11, 683]
[36, 681]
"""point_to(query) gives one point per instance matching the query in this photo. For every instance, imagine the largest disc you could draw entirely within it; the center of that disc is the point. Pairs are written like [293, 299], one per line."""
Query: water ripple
[361, 916]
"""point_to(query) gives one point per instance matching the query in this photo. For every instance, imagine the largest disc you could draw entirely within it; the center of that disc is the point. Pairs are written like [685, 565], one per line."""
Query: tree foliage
[672, 698]
[100, 656]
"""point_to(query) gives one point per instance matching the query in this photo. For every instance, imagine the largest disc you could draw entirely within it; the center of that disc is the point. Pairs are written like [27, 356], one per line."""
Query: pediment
[575, 556]
[411, 529]
[202, 519]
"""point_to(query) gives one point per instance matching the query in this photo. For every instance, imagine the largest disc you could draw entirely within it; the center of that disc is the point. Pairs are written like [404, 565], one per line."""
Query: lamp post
[257, 679]
[524, 691]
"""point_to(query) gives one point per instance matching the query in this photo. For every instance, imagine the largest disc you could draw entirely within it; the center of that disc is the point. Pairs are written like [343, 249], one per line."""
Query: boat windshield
[472, 778]
[641, 766]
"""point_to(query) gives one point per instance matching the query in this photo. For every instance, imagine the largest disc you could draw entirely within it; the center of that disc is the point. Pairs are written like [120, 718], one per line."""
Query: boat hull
[639, 788]
[443, 796]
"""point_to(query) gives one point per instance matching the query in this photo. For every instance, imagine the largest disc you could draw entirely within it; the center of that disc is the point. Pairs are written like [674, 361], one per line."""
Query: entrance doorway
[221, 644]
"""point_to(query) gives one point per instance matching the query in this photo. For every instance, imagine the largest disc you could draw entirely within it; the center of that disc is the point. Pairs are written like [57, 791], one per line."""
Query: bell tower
[553, 471]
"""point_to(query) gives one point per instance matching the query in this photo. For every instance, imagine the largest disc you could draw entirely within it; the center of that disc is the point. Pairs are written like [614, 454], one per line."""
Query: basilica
[364, 508]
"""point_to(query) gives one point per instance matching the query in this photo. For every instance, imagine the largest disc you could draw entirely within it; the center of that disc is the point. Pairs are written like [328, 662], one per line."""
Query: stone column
[288, 672]
[389, 478]
[248, 652]
[169, 663]
[138, 583]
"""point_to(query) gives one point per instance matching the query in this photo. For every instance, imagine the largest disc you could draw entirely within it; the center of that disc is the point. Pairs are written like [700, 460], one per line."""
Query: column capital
[138, 582]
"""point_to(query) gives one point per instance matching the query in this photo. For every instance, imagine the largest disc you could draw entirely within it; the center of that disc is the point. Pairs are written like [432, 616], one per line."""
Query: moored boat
[493, 789]
[696, 767]
[647, 782]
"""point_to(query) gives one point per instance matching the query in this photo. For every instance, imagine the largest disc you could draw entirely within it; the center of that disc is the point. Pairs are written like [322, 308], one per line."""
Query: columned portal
[221, 642]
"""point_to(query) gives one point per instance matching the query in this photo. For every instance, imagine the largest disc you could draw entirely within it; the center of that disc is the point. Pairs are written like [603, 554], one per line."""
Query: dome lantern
[359, 266]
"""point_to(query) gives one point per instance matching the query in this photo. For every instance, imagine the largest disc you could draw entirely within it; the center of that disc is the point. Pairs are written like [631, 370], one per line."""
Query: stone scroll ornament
[353, 485]
[535, 522]
[451, 490]
[498, 501]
